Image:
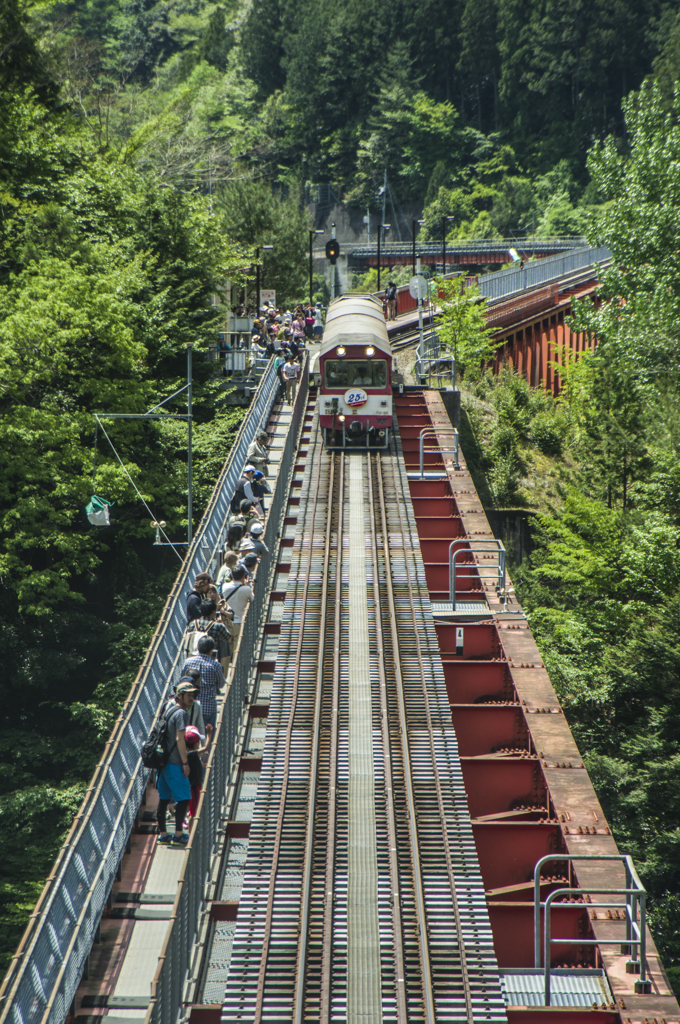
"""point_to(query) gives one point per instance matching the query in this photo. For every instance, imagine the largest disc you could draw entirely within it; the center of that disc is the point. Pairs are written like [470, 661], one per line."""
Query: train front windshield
[356, 373]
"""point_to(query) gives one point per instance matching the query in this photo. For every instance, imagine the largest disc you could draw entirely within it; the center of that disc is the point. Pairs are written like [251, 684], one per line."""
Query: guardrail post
[643, 984]
[630, 905]
[546, 951]
[636, 932]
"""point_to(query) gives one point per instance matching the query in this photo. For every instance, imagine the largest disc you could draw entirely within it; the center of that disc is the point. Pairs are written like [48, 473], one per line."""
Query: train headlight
[370, 351]
[381, 433]
[341, 351]
[341, 418]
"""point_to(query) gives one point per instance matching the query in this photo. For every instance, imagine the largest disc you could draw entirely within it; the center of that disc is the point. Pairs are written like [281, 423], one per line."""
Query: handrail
[471, 545]
[434, 248]
[174, 962]
[439, 449]
[504, 283]
[432, 356]
[45, 973]
[636, 936]
[639, 944]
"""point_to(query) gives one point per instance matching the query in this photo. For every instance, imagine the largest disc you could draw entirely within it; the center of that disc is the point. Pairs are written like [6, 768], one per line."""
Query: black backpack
[239, 495]
[155, 751]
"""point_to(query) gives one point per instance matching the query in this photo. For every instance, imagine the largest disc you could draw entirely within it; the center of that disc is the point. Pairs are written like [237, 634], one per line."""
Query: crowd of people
[215, 612]
[277, 331]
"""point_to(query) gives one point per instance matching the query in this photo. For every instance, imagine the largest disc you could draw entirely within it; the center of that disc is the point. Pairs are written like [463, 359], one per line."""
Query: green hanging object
[98, 511]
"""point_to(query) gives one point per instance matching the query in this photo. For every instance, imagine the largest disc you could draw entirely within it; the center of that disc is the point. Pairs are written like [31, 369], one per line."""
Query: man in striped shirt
[212, 678]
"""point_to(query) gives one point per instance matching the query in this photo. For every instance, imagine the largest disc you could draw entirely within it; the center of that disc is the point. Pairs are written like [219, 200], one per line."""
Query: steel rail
[398, 938]
[421, 910]
[300, 976]
[428, 713]
[286, 773]
[329, 891]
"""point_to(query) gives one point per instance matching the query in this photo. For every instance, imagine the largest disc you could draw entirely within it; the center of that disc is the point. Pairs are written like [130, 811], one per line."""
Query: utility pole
[421, 346]
[312, 233]
[413, 258]
[332, 266]
[384, 197]
[381, 228]
[264, 248]
[190, 468]
[443, 246]
[444, 223]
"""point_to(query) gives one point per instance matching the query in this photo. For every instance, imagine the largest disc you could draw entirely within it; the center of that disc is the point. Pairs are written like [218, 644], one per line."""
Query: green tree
[252, 214]
[479, 63]
[462, 326]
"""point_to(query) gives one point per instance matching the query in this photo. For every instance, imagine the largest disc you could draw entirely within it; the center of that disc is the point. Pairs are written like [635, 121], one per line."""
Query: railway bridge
[527, 310]
[395, 823]
[441, 256]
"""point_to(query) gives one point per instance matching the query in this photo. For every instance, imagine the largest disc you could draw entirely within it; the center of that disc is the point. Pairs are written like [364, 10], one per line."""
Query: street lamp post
[381, 228]
[444, 221]
[312, 232]
[265, 248]
[416, 224]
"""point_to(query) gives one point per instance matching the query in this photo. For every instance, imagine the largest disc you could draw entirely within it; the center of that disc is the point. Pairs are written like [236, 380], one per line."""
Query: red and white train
[354, 375]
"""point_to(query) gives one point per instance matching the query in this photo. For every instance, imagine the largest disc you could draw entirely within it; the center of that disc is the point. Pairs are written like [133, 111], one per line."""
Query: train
[354, 374]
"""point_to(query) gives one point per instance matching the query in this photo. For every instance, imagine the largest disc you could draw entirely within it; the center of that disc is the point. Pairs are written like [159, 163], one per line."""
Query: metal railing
[476, 547]
[635, 944]
[438, 449]
[470, 245]
[505, 283]
[44, 975]
[168, 984]
[435, 366]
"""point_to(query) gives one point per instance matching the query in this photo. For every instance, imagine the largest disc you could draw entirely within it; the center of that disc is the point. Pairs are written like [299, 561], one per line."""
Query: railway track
[411, 337]
[362, 897]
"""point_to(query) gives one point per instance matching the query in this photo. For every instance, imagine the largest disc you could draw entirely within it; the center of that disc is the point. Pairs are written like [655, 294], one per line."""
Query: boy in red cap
[194, 750]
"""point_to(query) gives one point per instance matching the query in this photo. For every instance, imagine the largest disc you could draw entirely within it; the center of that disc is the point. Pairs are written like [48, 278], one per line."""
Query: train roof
[356, 319]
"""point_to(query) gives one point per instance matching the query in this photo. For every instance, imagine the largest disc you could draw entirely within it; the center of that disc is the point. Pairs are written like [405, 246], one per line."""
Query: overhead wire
[141, 497]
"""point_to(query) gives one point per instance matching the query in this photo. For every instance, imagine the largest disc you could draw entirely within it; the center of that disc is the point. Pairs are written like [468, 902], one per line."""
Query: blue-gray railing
[44, 975]
[165, 1005]
[503, 284]
[469, 245]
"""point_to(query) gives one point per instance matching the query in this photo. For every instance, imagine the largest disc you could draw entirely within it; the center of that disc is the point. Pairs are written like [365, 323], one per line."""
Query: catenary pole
[413, 258]
[190, 480]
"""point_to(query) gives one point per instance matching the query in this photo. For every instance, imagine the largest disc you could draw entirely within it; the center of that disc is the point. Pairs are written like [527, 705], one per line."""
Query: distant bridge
[473, 252]
[527, 310]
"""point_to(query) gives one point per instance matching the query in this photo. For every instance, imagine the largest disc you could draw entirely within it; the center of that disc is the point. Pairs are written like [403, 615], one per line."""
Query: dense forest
[146, 149]
[599, 470]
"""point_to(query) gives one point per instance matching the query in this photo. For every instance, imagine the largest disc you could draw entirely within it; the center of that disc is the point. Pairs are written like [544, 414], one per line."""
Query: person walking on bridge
[391, 300]
[291, 372]
[173, 777]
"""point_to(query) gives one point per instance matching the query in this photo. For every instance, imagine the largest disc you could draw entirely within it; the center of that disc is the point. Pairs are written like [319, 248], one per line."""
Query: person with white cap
[244, 490]
[253, 541]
